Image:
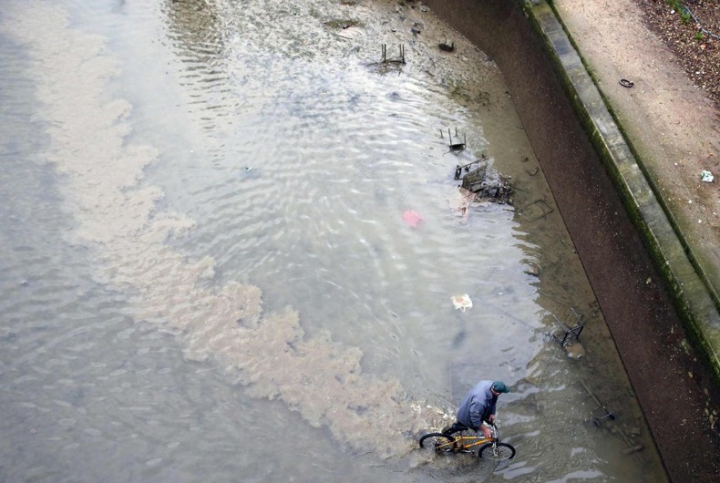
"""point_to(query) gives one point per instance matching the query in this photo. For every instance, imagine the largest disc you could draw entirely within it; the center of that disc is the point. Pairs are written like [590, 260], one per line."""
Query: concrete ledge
[691, 291]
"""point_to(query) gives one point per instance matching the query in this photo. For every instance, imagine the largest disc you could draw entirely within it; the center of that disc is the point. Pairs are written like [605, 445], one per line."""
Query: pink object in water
[412, 218]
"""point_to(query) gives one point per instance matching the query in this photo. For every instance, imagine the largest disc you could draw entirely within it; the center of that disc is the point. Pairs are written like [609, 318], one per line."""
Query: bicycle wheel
[439, 442]
[501, 451]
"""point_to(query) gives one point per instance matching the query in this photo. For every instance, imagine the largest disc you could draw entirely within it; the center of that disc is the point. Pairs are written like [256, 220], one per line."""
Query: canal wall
[651, 291]
[691, 288]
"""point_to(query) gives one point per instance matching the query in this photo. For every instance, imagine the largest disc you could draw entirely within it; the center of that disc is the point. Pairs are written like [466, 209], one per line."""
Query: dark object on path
[626, 83]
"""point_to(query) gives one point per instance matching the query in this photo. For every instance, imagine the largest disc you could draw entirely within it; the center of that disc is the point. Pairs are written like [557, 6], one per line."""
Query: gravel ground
[691, 29]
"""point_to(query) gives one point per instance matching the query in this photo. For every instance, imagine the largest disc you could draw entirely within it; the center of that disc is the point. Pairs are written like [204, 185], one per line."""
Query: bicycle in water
[453, 440]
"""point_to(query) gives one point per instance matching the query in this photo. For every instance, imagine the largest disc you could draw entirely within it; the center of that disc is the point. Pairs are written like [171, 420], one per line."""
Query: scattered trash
[632, 449]
[626, 83]
[466, 198]
[569, 337]
[386, 64]
[707, 176]
[536, 210]
[459, 169]
[340, 24]
[605, 413]
[412, 218]
[399, 60]
[533, 269]
[454, 147]
[574, 350]
[486, 183]
[447, 46]
[462, 302]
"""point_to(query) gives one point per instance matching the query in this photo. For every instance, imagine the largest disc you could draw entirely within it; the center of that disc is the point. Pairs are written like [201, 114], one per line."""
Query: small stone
[447, 46]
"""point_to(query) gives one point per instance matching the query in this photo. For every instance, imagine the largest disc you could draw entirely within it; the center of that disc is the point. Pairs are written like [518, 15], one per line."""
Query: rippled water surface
[205, 271]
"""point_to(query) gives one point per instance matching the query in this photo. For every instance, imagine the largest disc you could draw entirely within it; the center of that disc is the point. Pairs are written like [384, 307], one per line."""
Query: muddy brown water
[206, 272]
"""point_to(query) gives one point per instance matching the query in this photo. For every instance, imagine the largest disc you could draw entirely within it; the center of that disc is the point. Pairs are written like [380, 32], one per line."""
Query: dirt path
[674, 125]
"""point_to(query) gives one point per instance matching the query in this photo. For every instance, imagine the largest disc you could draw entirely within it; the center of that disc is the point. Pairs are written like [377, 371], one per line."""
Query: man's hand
[486, 431]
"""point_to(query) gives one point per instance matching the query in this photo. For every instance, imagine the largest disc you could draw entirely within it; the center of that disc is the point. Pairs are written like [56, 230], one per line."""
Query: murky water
[206, 272]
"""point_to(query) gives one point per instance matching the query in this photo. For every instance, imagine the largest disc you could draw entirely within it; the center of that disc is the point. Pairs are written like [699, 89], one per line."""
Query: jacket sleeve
[477, 409]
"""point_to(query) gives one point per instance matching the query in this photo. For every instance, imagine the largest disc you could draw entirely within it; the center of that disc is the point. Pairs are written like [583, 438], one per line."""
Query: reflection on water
[229, 180]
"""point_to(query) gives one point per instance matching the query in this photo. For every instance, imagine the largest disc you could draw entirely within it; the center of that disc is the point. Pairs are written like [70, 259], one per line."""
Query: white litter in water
[707, 176]
[462, 302]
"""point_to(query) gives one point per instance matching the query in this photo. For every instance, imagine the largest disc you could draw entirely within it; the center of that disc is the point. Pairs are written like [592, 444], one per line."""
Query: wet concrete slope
[675, 389]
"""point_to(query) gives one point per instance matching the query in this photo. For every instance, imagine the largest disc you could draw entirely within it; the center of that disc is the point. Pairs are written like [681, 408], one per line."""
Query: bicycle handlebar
[493, 429]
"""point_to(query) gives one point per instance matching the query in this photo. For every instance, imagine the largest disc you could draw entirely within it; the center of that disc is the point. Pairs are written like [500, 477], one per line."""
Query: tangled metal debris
[398, 60]
[455, 147]
[480, 177]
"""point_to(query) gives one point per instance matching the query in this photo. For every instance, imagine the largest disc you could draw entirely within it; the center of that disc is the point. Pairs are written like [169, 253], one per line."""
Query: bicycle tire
[439, 442]
[504, 452]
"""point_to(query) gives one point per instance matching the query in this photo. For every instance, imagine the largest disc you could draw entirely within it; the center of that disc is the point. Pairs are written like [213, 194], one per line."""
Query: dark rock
[447, 46]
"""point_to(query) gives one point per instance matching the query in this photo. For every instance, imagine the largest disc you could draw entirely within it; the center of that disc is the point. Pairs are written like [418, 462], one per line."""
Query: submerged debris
[447, 46]
[399, 60]
[412, 218]
[600, 413]
[480, 178]
[485, 182]
[455, 147]
[341, 24]
[462, 302]
[387, 63]
[569, 337]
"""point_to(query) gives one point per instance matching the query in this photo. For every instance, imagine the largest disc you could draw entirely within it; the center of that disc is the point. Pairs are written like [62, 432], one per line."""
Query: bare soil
[690, 29]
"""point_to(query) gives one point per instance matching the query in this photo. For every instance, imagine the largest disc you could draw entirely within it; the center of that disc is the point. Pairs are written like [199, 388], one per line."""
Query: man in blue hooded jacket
[478, 406]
